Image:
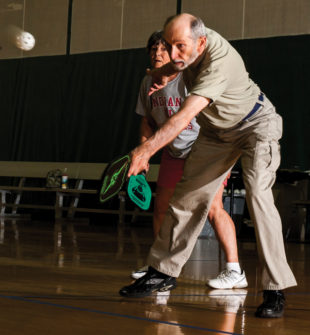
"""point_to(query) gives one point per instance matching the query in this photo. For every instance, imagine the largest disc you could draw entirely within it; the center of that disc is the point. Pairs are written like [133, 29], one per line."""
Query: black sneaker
[153, 281]
[273, 305]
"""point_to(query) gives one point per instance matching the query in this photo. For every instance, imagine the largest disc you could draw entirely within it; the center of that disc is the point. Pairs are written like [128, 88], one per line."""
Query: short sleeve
[209, 83]
[143, 106]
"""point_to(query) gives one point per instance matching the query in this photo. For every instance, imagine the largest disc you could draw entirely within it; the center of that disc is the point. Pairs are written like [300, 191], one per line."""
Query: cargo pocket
[275, 127]
[275, 156]
[267, 155]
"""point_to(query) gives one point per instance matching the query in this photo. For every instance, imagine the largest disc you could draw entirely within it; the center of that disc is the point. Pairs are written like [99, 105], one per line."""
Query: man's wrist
[148, 147]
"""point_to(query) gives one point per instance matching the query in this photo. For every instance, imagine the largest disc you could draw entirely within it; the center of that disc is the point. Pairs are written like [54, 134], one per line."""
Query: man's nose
[173, 53]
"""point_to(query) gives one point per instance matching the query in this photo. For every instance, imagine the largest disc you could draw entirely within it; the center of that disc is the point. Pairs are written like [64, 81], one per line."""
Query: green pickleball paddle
[139, 191]
[113, 178]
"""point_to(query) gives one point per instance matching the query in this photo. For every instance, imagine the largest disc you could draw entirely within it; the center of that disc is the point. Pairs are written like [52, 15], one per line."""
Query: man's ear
[202, 41]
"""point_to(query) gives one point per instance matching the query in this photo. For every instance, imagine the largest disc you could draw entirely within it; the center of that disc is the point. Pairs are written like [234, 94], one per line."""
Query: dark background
[80, 108]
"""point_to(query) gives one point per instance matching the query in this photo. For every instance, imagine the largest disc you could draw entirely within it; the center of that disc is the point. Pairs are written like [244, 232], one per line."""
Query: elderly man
[237, 121]
[163, 104]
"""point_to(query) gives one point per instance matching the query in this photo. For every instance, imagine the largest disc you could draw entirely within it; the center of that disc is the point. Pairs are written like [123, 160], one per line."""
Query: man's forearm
[167, 133]
[176, 124]
[140, 155]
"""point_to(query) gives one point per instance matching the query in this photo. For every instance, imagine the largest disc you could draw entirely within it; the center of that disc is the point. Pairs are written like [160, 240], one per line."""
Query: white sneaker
[231, 300]
[139, 273]
[228, 279]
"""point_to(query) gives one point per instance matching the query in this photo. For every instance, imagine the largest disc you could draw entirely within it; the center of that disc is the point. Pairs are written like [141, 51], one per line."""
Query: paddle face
[114, 177]
[139, 191]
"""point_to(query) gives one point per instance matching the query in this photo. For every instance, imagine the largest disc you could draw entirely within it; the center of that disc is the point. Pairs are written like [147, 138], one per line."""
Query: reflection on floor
[64, 277]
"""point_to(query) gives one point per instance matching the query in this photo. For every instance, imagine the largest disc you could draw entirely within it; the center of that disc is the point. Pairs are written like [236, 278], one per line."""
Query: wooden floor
[64, 278]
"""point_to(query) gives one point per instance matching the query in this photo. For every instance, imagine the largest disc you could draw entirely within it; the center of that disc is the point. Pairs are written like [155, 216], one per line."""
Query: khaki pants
[213, 155]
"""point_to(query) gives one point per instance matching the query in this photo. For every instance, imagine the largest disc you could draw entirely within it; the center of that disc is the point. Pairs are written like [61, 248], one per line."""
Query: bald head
[191, 25]
[185, 39]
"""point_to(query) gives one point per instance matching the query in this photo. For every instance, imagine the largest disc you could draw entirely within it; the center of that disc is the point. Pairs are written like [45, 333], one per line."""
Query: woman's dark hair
[154, 39]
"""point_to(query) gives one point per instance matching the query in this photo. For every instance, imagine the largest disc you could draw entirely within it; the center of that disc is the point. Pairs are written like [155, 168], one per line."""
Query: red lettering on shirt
[170, 112]
[154, 102]
[189, 126]
[178, 102]
[162, 101]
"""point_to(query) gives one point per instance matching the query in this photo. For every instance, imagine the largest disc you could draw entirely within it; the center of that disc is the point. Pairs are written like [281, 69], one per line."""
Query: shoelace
[224, 274]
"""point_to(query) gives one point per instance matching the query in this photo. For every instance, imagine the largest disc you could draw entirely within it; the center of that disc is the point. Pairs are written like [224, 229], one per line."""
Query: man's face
[182, 48]
[159, 55]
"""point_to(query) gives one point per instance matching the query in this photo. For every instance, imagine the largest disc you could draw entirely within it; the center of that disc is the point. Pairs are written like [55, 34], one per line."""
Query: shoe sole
[169, 287]
[269, 316]
[228, 287]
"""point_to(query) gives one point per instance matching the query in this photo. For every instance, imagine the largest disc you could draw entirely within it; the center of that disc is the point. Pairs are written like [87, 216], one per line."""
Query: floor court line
[81, 309]
[57, 297]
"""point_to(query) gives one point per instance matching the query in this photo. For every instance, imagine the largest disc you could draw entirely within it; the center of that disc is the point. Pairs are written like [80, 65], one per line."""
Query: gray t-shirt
[164, 103]
[222, 77]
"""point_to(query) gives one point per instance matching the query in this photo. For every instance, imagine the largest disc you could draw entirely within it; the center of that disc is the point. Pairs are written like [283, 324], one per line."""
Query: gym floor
[64, 278]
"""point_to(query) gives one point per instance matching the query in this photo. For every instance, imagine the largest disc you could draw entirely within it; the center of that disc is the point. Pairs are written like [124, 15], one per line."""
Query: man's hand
[139, 160]
[161, 76]
[159, 81]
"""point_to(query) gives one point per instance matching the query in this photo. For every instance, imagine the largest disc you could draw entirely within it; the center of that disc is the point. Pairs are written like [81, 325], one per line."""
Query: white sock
[233, 267]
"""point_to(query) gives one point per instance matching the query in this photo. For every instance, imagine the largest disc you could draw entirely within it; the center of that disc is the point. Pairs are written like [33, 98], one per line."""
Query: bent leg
[224, 227]
[205, 170]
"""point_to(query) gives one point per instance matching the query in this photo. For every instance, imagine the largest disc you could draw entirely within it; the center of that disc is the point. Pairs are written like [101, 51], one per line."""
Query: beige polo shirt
[222, 77]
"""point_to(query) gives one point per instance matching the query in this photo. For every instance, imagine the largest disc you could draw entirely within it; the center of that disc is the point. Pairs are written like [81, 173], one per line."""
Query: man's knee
[257, 187]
